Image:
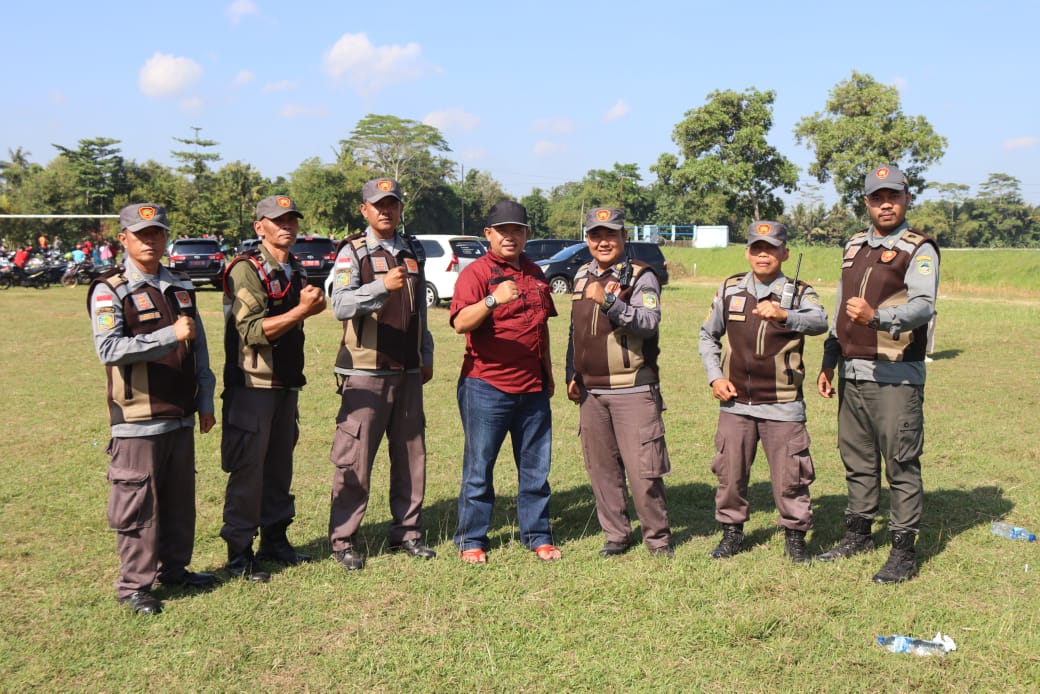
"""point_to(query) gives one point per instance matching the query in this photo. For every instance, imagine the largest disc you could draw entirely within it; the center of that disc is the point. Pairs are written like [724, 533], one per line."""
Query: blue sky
[536, 93]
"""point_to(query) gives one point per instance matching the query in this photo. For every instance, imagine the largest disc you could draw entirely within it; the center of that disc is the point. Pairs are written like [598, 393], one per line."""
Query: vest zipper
[625, 359]
[128, 391]
[863, 284]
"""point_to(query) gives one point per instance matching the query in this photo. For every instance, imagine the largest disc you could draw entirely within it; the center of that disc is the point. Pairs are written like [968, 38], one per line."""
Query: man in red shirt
[502, 304]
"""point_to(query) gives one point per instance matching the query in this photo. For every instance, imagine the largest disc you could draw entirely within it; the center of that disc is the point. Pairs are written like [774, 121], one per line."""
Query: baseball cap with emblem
[607, 217]
[274, 206]
[377, 189]
[884, 177]
[773, 233]
[507, 212]
[141, 216]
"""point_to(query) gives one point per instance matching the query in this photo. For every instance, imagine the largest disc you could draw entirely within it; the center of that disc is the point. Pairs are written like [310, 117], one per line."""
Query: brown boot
[857, 539]
[902, 560]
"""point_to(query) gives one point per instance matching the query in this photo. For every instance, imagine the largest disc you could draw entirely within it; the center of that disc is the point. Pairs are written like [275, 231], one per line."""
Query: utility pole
[462, 197]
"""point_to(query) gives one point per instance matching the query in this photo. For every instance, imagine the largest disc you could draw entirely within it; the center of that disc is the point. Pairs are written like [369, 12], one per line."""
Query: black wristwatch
[874, 322]
[490, 301]
[608, 301]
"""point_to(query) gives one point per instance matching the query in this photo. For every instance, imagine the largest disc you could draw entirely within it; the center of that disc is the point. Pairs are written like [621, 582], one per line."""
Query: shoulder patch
[649, 300]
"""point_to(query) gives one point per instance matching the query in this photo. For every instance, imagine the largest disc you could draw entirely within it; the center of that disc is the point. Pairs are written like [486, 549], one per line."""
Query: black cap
[508, 212]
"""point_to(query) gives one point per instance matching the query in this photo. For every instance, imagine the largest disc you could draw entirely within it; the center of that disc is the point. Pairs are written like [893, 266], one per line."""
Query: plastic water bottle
[1012, 532]
[905, 644]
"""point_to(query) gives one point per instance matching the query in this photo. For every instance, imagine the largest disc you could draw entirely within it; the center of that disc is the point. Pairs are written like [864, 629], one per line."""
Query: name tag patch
[412, 265]
[143, 302]
[380, 265]
[183, 298]
[737, 303]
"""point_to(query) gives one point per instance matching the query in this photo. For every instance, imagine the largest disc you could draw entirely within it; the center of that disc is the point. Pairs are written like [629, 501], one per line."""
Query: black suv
[540, 249]
[200, 259]
[561, 268]
[317, 255]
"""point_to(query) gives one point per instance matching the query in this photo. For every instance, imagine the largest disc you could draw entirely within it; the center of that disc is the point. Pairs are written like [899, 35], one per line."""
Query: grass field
[752, 623]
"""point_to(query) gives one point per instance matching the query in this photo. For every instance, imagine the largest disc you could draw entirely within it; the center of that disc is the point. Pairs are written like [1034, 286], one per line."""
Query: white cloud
[283, 86]
[301, 111]
[620, 109]
[544, 148]
[1021, 143]
[243, 78]
[370, 67]
[239, 9]
[57, 97]
[553, 126]
[452, 119]
[166, 75]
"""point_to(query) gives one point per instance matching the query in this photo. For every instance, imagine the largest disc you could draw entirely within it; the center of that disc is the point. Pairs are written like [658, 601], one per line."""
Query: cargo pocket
[910, 438]
[799, 473]
[346, 444]
[238, 428]
[653, 453]
[130, 501]
[718, 463]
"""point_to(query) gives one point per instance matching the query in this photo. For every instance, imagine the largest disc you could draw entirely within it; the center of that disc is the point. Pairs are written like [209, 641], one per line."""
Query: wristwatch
[490, 301]
[874, 322]
[608, 301]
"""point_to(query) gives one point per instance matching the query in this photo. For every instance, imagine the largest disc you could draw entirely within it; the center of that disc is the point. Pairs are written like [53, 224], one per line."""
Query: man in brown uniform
[266, 300]
[612, 372]
[385, 358]
[149, 337]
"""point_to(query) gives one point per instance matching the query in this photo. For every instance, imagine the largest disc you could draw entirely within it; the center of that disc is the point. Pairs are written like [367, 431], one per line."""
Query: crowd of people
[149, 336]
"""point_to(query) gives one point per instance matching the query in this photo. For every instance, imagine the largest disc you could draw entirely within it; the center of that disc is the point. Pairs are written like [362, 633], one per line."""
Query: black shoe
[414, 548]
[794, 546]
[350, 558]
[902, 560]
[613, 549]
[857, 540]
[243, 565]
[732, 541]
[284, 554]
[275, 547]
[666, 552]
[142, 602]
[191, 579]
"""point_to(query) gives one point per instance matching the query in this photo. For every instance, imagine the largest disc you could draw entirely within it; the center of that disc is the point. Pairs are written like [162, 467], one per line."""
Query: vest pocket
[346, 444]
[130, 500]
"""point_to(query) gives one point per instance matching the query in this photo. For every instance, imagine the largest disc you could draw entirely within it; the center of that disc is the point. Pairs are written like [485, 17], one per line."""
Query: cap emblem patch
[762, 229]
[146, 212]
[284, 202]
[603, 215]
[881, 173]
[385, 185]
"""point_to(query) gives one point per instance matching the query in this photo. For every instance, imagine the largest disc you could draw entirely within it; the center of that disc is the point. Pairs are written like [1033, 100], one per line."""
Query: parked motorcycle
[79, 273]
[34, 274]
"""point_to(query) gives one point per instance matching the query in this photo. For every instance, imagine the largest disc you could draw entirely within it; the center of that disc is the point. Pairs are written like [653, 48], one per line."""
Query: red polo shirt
[508, 349]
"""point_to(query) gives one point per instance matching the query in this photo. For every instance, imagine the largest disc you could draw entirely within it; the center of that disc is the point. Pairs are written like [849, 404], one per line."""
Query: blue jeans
[487, 415]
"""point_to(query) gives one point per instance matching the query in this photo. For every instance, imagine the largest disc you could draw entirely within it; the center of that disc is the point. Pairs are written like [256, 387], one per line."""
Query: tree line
[723, 171]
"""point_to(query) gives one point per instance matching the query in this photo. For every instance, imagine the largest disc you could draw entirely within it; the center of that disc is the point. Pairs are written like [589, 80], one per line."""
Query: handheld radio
[791, 288]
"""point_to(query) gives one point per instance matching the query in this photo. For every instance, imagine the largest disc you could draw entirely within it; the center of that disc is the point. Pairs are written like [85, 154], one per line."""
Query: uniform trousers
[151, 506]
[259, 434]
[786, 445]
[878, 420]
[623, 434]
[372, 406]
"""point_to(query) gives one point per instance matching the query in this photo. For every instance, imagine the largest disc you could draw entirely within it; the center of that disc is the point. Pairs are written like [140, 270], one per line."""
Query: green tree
[201, 214]
[998, 217]
[537, 206]
[479, 193]
[236, 188]
[100, 172]
[409, 152]
[329, 195]
[726, 164]
[863, 126]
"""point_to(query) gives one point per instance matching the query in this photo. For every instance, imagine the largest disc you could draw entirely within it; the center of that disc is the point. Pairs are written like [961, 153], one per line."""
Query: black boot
[274, 546]
[794, 546]
[242, 564]
[902, 560]
[857, 539]
[732, 541]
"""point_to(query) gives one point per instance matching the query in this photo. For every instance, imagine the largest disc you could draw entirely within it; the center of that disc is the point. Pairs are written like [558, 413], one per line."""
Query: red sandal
[473, 556]
[548, 553]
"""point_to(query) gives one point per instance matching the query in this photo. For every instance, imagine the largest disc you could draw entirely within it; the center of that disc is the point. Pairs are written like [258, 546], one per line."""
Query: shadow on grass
[946, 354]
[947, 513]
